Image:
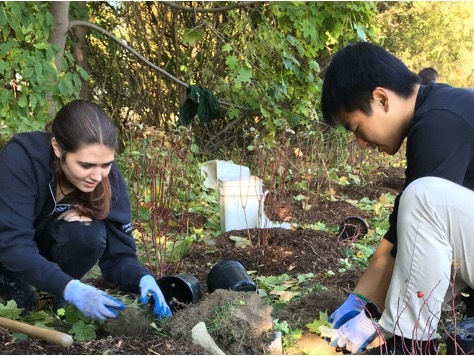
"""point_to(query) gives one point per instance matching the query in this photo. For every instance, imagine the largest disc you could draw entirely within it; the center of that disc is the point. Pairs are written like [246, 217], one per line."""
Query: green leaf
[282, 326]
[69, 57]
[36, 316]
[5, 96]
[244, 75]
[3, 18]
[226, 48]
[191, 37]
[33, 102]
[10, 310]
[232, 62]
[29, 72]
[194, 148]
[84, 75]
[179, 249]
[233, 113]
[83, 331]
[63, 87]
[76, 80]
[314, 66]
[19, 336]
[273, 280]
[322, 321]
[5, 48]
[22, 102]
[3, 66]
[72, 313]
[294, 119]
[43, 325]
[41, 45]
[280, 288]
[49, 21]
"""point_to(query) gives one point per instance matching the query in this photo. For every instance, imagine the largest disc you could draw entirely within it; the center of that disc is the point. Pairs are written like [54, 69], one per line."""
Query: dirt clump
[238, 322]
[135, 320]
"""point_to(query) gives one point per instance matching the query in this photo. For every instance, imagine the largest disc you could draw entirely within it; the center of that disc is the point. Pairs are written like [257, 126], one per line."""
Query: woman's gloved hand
[92, 302]
[148, 286]
[351, 307]
[355, 334]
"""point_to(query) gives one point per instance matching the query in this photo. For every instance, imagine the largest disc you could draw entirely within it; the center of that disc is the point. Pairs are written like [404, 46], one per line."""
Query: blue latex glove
[351, 307]
[91, 301]
[355, 334]
[148, 286]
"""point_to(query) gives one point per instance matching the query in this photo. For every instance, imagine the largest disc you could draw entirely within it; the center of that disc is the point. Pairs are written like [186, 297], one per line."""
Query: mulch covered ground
[272, 252]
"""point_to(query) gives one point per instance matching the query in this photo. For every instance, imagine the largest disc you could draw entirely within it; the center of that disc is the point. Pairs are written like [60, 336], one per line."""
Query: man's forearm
[375, 281]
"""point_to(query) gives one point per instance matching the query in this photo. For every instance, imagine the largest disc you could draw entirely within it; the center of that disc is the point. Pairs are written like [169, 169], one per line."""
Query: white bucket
[214, 170]
[241, 203]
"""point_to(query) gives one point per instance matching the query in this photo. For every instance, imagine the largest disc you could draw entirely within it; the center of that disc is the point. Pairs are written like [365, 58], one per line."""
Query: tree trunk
[80, 52]
[60, 12]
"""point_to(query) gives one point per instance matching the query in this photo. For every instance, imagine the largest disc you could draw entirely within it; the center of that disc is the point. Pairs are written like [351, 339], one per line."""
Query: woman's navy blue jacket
[27, 199]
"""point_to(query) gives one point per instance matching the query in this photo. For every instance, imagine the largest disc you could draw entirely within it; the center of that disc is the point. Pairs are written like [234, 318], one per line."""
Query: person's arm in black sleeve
[18, 251]
[119, 263]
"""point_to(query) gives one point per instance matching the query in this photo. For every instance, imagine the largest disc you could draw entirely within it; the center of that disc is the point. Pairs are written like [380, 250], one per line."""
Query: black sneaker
[18, 290]
[397, 345]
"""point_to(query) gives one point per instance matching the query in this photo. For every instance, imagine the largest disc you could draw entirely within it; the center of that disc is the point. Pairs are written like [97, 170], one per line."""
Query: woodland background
[264, 62]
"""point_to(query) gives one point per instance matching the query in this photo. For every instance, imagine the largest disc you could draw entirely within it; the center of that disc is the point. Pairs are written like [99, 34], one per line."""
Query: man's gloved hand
[92, 302]
[355, 334]
[148, 285]
[351, 307]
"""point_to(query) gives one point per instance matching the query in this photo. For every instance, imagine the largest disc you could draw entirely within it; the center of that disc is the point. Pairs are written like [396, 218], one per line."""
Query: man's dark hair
[428, 74]
[353, 74]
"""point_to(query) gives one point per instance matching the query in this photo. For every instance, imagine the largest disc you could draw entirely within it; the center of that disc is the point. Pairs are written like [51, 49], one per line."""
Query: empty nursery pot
[352, 228]
[460, 342]
[230, 274]
[179, 290]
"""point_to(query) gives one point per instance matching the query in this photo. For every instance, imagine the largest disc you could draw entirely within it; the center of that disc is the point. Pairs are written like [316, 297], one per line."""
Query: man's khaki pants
[435, 256]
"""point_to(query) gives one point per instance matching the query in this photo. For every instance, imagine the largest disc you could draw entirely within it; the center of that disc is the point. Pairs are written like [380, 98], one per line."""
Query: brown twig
[237, 5]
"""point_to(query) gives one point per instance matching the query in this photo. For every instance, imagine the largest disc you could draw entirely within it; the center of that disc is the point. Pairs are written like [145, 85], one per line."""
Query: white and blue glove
[92, 302]
[356, 333]
[351, 307]
[149, 288]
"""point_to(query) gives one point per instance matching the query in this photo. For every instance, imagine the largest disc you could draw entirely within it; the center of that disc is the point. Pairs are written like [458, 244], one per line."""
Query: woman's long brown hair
[78, 124]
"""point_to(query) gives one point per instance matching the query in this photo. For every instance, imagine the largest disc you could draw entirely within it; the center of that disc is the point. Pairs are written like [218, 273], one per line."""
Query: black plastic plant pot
[461, 342]
[352, 228]
[230, 274]
[179, 290]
